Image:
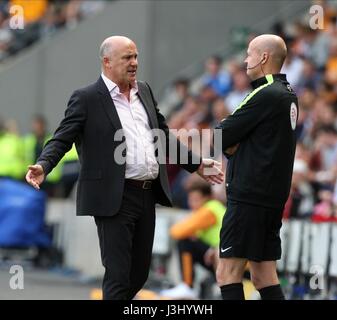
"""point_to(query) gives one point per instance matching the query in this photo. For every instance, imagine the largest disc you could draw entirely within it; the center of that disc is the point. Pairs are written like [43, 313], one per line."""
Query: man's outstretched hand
[35, 175]
[210, 170]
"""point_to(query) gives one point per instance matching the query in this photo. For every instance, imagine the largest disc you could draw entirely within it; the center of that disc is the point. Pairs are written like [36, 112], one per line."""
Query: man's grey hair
[105, 50]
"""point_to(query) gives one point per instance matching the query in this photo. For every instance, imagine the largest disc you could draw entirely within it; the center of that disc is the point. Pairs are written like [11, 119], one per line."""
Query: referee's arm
[243, 120]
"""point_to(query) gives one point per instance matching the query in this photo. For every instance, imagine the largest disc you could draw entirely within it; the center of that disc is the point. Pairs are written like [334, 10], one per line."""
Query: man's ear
[106, 61]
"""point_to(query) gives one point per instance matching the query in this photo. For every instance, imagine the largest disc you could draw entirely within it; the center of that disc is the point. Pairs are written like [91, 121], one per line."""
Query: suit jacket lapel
[145, 98]
[108, 104]
[110, 109]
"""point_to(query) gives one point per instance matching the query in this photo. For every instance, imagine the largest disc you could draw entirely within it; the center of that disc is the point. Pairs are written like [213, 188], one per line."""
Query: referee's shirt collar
[263, 80]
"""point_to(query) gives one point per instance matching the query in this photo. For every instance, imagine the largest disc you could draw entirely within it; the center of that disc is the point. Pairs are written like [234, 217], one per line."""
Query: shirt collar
[263, 80]
[113, 87]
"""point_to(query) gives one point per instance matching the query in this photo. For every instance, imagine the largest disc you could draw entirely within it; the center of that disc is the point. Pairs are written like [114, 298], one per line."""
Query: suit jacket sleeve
[172, 143]
[66, 134]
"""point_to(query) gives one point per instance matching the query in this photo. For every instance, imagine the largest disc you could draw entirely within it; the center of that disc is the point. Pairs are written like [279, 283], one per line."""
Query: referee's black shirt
[260, 171]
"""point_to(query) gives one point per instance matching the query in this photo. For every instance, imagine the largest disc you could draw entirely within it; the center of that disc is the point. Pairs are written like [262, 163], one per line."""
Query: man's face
[253, 60]
[123, 64]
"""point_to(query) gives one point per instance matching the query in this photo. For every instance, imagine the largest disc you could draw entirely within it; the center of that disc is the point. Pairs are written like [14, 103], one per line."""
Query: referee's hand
[210, 170]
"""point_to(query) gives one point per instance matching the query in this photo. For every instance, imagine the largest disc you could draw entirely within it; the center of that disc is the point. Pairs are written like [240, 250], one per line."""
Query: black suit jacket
[91, 121]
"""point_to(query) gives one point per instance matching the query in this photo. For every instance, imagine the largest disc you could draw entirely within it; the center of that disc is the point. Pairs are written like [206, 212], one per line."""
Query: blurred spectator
[331, 64]
[217, 79]
[11, 159]
[42, 18]
[73, 13]
[177, 120]
[301, 199]
[33, 144]
[197, 238]
[181, 88]
[51, 21]
[62, 178]
[234, 65]
[207, 97]
[330, 11]
[293, 67]
[89, 7]
[335, 199]
[324, 211]
[310, 78]
[11, 126]
[319, 114]
[241, 87]
[175, 98]
[6, 36]
[278, 29]
[331, 28]
[37, 139]
[325, 152]
[313, 45]
[219, 112]
[193, 114]
[327, 92]
[305, 123]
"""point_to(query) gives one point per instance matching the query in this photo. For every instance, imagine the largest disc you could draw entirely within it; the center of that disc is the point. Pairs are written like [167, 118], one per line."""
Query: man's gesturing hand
[211, 171]
[35, 175]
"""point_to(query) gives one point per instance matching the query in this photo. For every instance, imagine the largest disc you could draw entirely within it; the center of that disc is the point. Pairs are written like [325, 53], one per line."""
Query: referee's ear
[264, 58]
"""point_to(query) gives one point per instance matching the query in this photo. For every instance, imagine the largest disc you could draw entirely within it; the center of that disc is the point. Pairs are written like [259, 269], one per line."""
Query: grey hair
[104, 50]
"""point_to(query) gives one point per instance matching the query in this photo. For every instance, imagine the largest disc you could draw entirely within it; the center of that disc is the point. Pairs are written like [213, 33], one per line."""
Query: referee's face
[253, 61]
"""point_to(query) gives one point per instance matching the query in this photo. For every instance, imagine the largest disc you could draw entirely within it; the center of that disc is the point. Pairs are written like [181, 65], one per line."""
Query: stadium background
[57, 52]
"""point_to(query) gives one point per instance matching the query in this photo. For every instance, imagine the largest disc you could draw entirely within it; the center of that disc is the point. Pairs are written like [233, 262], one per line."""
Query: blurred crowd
[42, 19]
[311, 68]
[18, 151]
[201, 103]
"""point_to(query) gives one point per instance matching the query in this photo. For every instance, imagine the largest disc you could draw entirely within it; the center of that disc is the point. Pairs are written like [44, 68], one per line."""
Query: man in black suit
[120, 195]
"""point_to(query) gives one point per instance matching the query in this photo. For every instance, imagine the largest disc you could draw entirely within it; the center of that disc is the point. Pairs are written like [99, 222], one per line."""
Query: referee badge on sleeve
[293, 115]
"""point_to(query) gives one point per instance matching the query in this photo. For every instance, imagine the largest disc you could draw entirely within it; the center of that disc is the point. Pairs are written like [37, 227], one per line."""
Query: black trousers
[126, 241]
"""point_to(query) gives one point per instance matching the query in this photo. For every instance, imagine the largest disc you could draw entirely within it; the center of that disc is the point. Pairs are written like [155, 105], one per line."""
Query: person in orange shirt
[197, 238]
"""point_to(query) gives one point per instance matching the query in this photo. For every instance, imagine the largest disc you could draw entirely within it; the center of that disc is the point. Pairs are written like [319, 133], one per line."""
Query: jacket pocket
[90, 175]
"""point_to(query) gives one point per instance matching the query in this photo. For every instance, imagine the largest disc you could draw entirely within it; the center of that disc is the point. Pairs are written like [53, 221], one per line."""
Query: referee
[259, 140]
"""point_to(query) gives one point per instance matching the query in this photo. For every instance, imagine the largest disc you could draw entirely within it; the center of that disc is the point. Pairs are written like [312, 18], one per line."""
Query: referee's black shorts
[251, 232]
